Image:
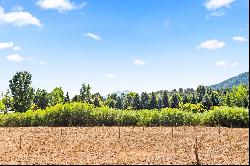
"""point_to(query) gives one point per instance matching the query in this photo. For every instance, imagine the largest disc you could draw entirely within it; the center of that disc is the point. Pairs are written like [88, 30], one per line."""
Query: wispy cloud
[14, 57]
[240, 39]
[110, 75]
[221, 63]
[18, 18]
[218, 13]
[16, 48]
[6, 45]
[235, 64]
[139, 62]
[211, 44]
[93, 36]
[60, 5]
[216, 4]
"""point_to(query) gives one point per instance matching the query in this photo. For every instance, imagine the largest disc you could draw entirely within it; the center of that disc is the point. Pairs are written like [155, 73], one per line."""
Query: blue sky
[142, 45]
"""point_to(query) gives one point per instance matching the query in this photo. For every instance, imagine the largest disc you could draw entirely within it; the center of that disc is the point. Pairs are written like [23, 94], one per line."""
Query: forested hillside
[229, 83]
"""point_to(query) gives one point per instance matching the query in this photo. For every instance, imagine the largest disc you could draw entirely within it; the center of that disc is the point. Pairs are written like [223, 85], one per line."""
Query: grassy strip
[81, 114]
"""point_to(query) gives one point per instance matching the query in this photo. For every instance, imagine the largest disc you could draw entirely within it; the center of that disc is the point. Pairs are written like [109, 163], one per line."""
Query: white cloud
[16, 48]
[18, 18]
[15, 58]
[239, 39]
[6, 45]
[110, 75]
[139, 62]
[216, 4]
[60, 5]
[93, 36]
[235, 64]
[42, 62]
[218, 13]
[221, 63]
[211, 44]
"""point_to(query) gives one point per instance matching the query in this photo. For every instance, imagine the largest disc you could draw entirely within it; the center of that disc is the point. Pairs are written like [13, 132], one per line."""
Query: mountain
[229, 83]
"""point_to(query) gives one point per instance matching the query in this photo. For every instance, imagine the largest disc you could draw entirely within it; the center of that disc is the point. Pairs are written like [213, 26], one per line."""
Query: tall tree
[159, 104]
[136, 102]
[21, 90]
[214, 99]
[206, 102]
[153, 101]
[174, 101]
[165, 100]
[201, 91]
[85, 93]
[41, 98]
[119, 103]
[144, 100]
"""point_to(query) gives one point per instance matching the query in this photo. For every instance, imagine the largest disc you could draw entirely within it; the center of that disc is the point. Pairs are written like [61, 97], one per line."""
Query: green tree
[206, 102]
[144, 100]
[165, 100]
[111, 100]
[159, 104]
[228, 100]
[56, 96]
[76, 98]
[8, 100]
[240, 96]
[119, 103]
[153, 101]
[85, 93]
[201, 90]
[136, 102]
[215, 99]
[41, 98]
[66, 98]
[174, 100]
[97, 102]
[21, 90]
[193, 99]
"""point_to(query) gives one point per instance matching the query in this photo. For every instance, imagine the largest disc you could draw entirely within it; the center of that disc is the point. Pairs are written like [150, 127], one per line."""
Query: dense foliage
[22, 92]
[82, 114]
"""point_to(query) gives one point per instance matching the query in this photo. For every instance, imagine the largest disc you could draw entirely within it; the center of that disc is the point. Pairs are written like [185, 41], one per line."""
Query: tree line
[22, 97]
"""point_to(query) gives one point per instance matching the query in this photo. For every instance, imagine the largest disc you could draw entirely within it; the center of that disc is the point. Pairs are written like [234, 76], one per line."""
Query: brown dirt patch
[102, 145]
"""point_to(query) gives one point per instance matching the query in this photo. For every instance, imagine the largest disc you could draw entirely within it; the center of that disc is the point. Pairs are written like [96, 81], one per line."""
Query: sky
[115, 45]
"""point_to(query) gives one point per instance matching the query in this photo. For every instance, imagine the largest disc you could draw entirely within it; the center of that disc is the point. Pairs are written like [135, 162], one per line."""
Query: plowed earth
[136, 145]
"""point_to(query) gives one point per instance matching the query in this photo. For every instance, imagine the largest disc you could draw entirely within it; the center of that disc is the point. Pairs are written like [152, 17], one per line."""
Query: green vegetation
[234, 81]
[82, 114]
[203, 106]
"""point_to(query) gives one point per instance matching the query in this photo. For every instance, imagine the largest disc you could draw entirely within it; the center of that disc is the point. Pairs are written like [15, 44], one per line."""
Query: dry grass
[102, 145]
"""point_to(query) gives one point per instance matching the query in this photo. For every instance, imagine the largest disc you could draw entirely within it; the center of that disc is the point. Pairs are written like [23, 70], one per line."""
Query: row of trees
[22, 97]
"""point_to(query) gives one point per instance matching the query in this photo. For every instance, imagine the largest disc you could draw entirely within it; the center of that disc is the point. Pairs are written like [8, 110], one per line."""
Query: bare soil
[136, 145]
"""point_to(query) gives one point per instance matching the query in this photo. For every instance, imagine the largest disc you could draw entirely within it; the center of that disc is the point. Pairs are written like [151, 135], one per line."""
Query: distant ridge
[229, 83]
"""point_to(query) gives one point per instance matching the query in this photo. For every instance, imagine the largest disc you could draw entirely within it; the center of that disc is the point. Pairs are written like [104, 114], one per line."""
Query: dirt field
[102, 145]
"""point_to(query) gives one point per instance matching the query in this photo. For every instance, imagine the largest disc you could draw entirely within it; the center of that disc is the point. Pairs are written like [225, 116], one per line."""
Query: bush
[82, 114]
